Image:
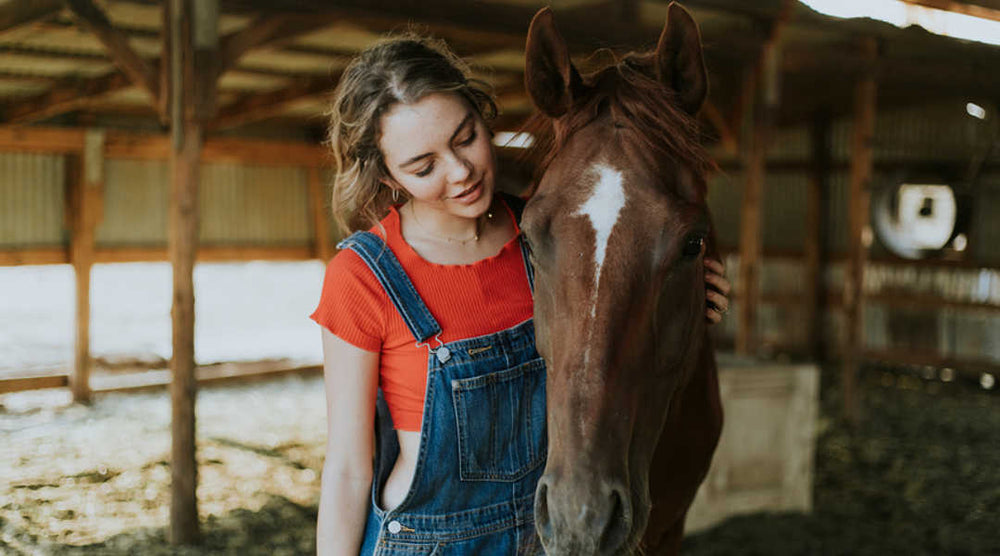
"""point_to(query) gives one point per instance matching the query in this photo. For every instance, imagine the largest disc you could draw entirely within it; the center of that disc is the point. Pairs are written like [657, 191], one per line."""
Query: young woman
[431, 308]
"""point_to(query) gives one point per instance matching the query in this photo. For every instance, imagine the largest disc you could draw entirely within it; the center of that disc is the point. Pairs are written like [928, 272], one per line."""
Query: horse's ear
[679, 60]
[549, 75]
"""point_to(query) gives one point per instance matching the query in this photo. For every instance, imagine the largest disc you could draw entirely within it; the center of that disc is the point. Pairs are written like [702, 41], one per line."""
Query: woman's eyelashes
[426, 171]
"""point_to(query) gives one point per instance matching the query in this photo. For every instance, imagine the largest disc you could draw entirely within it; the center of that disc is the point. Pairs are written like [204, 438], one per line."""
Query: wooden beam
[182, 244]
[139, 71]
[319, 207]
[41, 140]
[858, 200]
[265, 30]
[582, 26]
[817, 200]
[68, 95]
[15, 13]
[965, 8]
[40, 382]
[261, 106]
[88, 198]
[763, 84]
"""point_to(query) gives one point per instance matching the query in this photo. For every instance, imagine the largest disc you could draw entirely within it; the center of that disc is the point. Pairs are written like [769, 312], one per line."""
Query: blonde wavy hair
[399, 69]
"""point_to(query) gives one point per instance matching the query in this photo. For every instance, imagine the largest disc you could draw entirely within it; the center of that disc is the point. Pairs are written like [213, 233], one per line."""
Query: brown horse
[618, 226]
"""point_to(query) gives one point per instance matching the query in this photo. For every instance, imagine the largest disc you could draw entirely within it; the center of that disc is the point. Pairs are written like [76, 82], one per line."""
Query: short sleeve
[352, 304]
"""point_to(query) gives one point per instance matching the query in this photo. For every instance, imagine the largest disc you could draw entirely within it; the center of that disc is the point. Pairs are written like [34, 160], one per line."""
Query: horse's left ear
[679, 61]
[549, 75]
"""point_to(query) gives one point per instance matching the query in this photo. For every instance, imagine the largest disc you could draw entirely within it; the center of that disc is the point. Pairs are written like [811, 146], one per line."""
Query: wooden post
[317, 202]
[87, 199]
[861, 172]
[193, 28]
[816, 235]
[763, 85]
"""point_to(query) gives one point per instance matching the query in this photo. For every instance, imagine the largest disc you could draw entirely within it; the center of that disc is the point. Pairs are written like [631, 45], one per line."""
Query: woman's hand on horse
[716, 291]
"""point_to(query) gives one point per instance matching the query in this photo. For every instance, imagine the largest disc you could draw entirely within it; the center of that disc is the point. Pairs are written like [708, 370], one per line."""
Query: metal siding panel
[32, 200]
[136, 198]
[724, 199]
[262, 205]
[784, 212]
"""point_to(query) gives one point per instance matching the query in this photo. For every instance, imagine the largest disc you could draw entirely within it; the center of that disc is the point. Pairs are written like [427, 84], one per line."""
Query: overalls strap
[397, 285]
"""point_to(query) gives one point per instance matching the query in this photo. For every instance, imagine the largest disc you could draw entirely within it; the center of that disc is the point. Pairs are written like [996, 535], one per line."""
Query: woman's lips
[471, 194]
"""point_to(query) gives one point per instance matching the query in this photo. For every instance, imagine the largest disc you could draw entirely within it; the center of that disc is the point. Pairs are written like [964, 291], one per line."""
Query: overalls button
[395, 527]
[443, 354]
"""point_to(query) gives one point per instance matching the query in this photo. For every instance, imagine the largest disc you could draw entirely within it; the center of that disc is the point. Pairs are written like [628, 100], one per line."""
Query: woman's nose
[460, 169]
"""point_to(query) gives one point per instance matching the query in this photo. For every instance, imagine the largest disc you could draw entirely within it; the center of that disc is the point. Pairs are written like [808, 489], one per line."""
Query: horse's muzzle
[584, 519]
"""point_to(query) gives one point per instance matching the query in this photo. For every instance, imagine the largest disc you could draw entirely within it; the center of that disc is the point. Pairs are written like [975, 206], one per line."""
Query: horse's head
[618, 226]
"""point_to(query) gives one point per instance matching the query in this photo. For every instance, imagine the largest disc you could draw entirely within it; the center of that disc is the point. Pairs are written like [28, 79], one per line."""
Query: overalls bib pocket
[501, 422]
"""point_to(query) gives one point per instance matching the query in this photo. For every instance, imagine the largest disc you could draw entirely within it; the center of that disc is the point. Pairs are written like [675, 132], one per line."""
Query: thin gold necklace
[479, 227]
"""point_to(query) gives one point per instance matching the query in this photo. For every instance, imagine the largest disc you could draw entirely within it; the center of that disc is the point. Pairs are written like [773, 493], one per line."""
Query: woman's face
[438, 149]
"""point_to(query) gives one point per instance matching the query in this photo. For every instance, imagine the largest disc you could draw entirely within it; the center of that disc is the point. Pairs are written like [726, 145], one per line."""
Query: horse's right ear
[549, 75]
[679, 60]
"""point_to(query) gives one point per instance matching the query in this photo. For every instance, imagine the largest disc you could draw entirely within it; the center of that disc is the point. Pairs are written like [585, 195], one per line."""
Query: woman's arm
[351, 379]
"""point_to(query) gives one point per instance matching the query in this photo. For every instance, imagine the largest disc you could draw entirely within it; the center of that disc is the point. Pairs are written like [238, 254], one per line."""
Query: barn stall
[163, 133]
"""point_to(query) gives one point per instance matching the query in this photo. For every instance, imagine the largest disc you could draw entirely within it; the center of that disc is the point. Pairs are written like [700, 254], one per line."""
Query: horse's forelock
[637, 101]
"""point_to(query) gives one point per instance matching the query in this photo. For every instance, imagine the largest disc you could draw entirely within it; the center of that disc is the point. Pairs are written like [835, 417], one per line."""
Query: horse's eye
[693, 246]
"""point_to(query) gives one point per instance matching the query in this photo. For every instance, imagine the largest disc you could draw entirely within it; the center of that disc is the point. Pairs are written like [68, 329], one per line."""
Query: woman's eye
[426, 171]
[472, 137]
[693, 246]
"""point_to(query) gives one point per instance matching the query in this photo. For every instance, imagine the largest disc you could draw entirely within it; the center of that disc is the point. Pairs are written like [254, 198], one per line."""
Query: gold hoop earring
[395, 195]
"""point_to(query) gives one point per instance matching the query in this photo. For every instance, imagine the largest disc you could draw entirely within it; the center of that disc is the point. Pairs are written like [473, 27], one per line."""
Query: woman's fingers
[720, 301]
[716, 295]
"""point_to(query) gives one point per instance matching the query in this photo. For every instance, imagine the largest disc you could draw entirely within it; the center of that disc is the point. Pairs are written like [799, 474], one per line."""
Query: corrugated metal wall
[941, 133]
[32, 198]
[136, 197]
[259, 205]
[238, 204]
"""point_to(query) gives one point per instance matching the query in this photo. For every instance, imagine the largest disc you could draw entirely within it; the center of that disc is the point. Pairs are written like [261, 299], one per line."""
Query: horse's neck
[684, 453]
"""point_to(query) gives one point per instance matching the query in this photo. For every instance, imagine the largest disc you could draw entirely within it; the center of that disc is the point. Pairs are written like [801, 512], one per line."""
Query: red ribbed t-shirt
[466, 300]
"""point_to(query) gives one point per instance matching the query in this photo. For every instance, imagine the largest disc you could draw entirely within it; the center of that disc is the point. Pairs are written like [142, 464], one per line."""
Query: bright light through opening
[513, 140]
[975, 110]
[960, 242]
[901, 14]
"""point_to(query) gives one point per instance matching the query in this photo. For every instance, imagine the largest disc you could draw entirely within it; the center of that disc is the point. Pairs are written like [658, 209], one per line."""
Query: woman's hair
[399, 69]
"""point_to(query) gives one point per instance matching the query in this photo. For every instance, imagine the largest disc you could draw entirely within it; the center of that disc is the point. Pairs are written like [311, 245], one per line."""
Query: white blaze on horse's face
[603, 208]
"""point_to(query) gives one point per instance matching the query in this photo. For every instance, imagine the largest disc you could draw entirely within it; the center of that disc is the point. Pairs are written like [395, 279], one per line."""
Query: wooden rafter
[965, 8]
[15, 13]
[267, 30]
[141, 72]
[67, 95]
[261, 106]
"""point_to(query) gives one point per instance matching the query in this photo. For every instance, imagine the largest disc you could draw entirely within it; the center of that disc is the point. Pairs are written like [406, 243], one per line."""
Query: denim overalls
[482, 442]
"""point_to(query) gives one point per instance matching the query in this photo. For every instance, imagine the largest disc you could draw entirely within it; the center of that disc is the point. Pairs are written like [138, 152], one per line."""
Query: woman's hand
[716, 291]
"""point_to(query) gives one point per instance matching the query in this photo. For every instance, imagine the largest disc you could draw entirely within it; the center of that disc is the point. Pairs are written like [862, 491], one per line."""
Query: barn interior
[855, 198]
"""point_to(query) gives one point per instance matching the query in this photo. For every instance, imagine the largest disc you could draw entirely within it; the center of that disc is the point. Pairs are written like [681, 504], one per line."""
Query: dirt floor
[920, 476]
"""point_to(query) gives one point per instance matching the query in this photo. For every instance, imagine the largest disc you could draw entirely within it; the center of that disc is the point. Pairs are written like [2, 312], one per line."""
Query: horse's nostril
[542, 523]
[619, 524]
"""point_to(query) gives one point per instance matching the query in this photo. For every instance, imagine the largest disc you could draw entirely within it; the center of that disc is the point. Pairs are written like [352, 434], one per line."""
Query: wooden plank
[50, 255]
[41, 140]
[858, 199]
[15, 13]
[20, 384]
[319, 208]
[206, 254]
[66, 96]
[219, 149]
[139, 71]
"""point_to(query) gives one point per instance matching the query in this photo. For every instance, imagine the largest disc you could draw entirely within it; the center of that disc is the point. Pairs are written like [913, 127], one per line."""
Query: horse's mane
[637, 101]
